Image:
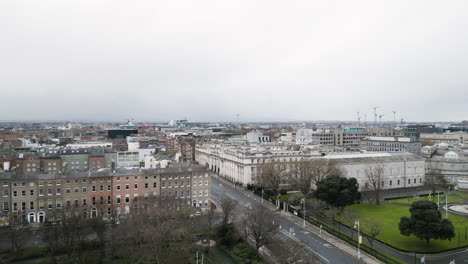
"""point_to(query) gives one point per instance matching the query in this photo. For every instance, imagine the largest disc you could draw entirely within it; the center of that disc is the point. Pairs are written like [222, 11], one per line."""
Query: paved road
[329, 254]
[325, 252]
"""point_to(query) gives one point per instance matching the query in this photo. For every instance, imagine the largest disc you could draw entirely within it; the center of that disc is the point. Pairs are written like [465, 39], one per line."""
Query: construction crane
[380, 119]
[375, 113]
[358, 118]
[394, 116]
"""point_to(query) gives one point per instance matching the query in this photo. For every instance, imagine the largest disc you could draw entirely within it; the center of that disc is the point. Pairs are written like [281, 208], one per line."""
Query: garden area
[464, 195]
[388, 216]
[433, 198]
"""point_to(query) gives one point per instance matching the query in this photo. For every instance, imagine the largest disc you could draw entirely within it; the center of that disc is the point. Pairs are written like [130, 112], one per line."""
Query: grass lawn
[451, 199]
[388, 215]
[462, 194]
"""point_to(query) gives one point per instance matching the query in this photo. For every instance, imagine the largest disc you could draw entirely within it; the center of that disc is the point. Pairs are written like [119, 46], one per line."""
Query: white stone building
[451, 165]
[241, 163]
[453, 138]
[391, 144]
[257, 137]
[401, 170]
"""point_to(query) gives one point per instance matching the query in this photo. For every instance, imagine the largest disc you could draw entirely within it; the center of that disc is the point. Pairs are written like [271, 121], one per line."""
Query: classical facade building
[391, 144]
[453, 166]
[242, 163]
[454, 138]
[400, 170]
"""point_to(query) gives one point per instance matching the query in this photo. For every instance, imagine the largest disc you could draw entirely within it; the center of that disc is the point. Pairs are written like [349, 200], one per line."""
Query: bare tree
[375, 174]
[259, 226]
[228, 207]
[307, 174]
[51, 235]
[17, 232]
[99, 227]
[322, 168]
[332, 213]
[315, 206]
[434, 178]
[212, 217]
[70, 226]
[169, 223]
[292, 252]
[302, 176]
[157, 224]
[373, 230]
[271, 176]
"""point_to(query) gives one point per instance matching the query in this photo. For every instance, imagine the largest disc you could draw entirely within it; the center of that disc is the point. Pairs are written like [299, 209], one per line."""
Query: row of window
[397, 183]
[77, 181]
[50, 204]
[101, 188]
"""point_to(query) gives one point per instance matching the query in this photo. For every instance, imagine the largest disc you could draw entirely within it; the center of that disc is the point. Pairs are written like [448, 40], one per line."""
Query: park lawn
[410, 200]
[462, 194]
[388, 215]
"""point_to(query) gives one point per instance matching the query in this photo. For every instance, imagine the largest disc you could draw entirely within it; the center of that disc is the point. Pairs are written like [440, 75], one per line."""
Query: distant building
[349, 137]
[179, 123]
[257, 137]
[128, 159]
[25, 164]
[161, 160]
[95, 144]
[459, 138]
[391, 144]
[449, 161]
[123, 131]
[74, 159]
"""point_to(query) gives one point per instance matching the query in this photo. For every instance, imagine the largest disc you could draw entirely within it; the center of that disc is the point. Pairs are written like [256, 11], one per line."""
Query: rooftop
[371, 157]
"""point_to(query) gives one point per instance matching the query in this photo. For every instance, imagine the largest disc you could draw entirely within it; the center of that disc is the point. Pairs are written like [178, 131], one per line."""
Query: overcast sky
[209, 60]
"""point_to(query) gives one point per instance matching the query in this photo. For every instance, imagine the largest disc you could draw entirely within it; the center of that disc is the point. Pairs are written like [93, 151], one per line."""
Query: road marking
[327, 245]
[307, 247]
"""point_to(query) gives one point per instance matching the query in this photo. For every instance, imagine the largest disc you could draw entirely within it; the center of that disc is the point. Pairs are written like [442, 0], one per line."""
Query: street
[325, 252]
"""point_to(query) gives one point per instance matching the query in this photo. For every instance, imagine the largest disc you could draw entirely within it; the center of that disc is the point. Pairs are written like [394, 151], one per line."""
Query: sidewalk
[343, 246]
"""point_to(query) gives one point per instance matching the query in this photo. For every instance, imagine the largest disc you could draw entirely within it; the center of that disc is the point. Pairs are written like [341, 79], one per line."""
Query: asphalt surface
[325, 252]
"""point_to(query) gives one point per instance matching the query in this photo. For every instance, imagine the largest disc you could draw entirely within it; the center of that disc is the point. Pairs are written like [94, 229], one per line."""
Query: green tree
[426, 223]
[338, 191]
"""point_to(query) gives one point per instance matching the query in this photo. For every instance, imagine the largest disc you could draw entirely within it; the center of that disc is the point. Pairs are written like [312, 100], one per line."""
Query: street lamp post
[219, 192]
[446, 202]
[357, 225]
[303, 201]
[277, 201]
[262, 196]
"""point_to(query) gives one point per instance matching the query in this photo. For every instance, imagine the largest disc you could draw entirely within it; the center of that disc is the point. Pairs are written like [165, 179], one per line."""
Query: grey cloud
[208, 60]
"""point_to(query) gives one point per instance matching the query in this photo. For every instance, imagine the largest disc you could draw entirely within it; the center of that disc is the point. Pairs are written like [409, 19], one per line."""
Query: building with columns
[241, 162]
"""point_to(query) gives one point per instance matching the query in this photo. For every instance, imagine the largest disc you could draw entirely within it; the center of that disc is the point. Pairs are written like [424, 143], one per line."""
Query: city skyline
[209, 61]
